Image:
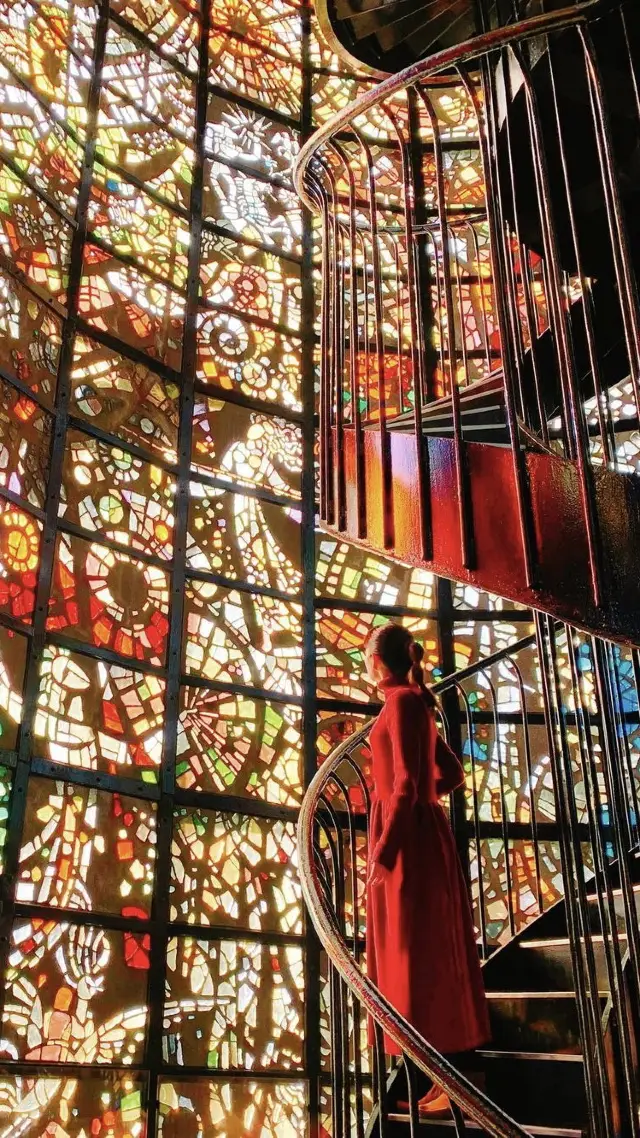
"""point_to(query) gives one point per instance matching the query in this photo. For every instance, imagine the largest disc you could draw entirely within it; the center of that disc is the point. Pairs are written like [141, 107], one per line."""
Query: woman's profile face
[373, 664]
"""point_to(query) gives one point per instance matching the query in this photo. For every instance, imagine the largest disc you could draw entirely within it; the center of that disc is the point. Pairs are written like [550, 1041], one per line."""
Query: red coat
[421, 948]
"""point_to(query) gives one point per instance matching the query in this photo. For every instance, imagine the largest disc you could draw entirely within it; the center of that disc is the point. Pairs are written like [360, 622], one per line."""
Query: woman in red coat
[421, 948]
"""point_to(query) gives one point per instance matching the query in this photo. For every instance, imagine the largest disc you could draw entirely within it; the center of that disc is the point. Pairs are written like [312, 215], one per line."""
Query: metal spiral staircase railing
[480, 328]
[562, 971]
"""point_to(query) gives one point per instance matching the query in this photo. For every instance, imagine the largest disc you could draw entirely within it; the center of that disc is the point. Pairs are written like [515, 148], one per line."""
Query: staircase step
[543, 966]
[538, 1090]
[485, 412]
[534, 1022]
[544, 1094]
[443, 1127]
[491, 433]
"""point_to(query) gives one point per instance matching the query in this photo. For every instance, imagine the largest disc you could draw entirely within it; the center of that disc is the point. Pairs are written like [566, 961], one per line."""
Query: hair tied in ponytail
[399, 652]
[416, 654]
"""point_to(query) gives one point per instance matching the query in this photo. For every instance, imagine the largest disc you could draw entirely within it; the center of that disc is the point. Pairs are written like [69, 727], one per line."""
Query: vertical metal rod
[504, 810]
[482, 290]
[385, 451]
[356, 417]
[623, 261]
[463, 338]
[613, 652]
[476, 819]
[529, 769]
[576, 903]
[617, 805]
[514, 306]
[381, 1081]
[417, 281]
[594, 361]
[559, 320]
[625, 1079]
[367, 342]
[412, 1094]
[489, 142]
[339, 303]
[327, 485]
[467, 538]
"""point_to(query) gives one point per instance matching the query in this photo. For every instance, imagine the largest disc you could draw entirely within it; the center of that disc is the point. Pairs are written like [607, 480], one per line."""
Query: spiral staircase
[479, 416]
[562, 974]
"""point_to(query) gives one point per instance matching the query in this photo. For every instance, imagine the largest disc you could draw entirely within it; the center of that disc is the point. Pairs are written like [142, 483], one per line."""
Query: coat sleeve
[450, 770]
[406, 725]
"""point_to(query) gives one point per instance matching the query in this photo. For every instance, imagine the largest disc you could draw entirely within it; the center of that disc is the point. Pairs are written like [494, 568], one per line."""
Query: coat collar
[392, 683]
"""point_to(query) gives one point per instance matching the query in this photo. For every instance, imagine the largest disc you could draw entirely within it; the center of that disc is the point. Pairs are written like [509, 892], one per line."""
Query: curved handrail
[454, 56]
[462, 1092]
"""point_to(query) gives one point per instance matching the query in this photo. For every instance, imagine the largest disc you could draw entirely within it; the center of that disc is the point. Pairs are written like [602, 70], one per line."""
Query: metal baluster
[559, 321]
[573, 878]
[467, 540]
[504, 812]
[529, 768]
[476, 819]
[605, 890]
[488, 136]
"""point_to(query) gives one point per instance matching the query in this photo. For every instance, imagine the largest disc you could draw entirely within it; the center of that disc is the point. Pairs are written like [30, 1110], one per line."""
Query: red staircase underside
[562, 582]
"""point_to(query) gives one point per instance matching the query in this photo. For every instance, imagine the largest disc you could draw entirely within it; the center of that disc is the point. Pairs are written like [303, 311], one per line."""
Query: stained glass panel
[13, 658]
[232, 1108]
[109, 492]
[248, 357]
[87, 849]
[76, 994]
[244, 538]
[93, 1104]
[243, 638]
[233, 1004]
[20, 537]
[229, 869]
[110, 600]
[25, 443]
[125, 399]
[230, 743]
[250, 447]
[142, 311]
[30, 336]
[99, 716]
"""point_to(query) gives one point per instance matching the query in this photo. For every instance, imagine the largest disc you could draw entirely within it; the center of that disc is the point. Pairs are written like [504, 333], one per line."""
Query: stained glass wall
[156, 568]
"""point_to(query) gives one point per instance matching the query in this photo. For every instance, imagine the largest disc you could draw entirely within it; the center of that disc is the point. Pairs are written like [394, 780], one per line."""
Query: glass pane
[76, 994]
[125, 399]
[242, 446]
[233, 1004]
[243, 638]
[99, 716]
[87, 849]
[109, 600]
[244, 1108]
[109, 492]
[230, 743]
[233, 870]
[244, 538]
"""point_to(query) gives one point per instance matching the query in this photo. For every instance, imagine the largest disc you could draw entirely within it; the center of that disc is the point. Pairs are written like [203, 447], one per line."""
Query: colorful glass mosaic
[168, 618]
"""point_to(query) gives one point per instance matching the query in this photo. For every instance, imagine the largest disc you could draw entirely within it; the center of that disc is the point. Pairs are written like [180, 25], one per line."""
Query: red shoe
[423, 1102]
[438, 1107]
